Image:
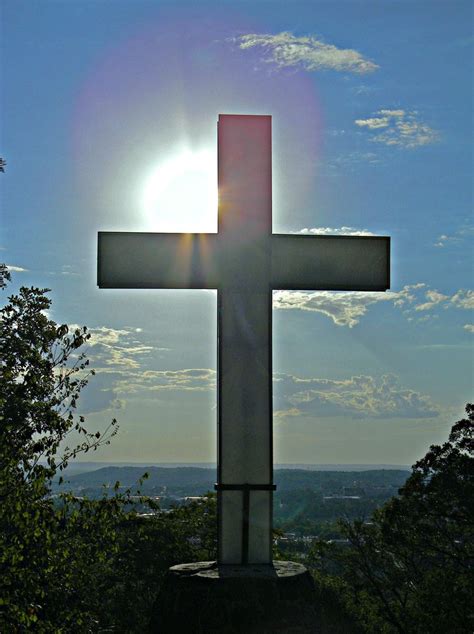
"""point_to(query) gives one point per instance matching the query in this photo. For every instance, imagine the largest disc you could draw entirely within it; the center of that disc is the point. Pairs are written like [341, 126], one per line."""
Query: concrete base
[205, 597]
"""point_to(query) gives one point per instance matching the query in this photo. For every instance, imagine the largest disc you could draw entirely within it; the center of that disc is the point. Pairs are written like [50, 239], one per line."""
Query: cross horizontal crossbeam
[178, 261]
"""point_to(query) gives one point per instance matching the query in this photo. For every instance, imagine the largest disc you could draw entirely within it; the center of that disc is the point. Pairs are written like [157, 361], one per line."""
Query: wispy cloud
[186, 380]
[443, 240]
[399, 128]
[363, 89]
[286, 50]
[69, 270]
[16, 269]
[353, 160]
[347, 309]
[113, 349]
[106, 336]
[455, 239]
[118, 357]
[433, 299]
[335, 231]
[112, 387]
[101, 394]
[357, 397]
[463, 299]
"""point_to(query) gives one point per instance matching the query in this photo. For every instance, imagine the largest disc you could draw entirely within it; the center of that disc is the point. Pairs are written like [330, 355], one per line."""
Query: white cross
[244, 261]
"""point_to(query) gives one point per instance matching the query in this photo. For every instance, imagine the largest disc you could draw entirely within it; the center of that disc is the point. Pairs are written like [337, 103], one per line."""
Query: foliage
[40, 387]
[411, 569]
[5, 276]
[69, 564]
[42, 375]
[148, 547]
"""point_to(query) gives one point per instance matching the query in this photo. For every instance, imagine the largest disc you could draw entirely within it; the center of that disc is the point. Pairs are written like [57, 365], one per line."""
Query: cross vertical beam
[245, 452]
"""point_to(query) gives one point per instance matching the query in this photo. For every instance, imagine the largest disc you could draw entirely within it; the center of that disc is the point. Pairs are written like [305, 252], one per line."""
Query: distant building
[341, 497]
[193, 498]
[308, 539]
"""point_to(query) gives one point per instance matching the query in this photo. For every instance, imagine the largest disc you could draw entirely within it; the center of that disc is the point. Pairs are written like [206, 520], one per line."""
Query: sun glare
[180, 194]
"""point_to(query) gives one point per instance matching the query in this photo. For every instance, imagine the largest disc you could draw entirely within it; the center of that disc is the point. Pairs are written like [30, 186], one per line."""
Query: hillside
[198, 480]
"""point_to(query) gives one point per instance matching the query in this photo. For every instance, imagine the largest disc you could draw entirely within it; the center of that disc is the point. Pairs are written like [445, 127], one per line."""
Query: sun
[180, 194]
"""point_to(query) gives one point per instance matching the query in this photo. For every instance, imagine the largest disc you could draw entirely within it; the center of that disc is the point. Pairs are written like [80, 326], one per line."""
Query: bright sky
[109, 123]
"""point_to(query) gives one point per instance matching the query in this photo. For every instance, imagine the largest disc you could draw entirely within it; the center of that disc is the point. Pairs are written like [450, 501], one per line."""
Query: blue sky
[108, 123]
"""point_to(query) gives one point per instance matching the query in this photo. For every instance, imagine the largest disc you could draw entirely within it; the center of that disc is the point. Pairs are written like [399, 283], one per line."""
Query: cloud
[381, 122]
[100, 395]
[353, 160]
[339, 231]
[347, 309]
[343, 308]
[287, 50]
[434, 298]
[69, 270]
[113, 349]
[460, 236]
[358, 397]
[118, 360]
[187, 380]
[399, 128]
[363, 89]
[16, 269]
[118, 357]
[463, 299]
[107, 336]
[442, 240]
[111, 387]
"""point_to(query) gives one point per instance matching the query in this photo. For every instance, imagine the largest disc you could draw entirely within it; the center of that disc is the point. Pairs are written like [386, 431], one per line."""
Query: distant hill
[158, 477]
[197, 480]
[82, 467]
[292, 479]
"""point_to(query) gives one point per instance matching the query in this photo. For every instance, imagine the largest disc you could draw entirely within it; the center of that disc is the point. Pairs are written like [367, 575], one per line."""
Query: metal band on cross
[245, 488]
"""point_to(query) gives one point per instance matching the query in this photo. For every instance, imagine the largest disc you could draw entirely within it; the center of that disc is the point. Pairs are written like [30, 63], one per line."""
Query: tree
[70, 564]
[411, 569]
[5, 276]
[148, 547]
[42, 374]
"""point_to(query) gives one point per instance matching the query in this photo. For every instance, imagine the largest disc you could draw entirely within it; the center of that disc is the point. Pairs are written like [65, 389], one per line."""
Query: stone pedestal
[207, 598]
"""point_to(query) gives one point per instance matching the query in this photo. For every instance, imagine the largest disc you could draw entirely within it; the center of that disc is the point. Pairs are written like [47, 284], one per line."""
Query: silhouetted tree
[5, 276]
[411, 569]
[42, 374]
[69, 564]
